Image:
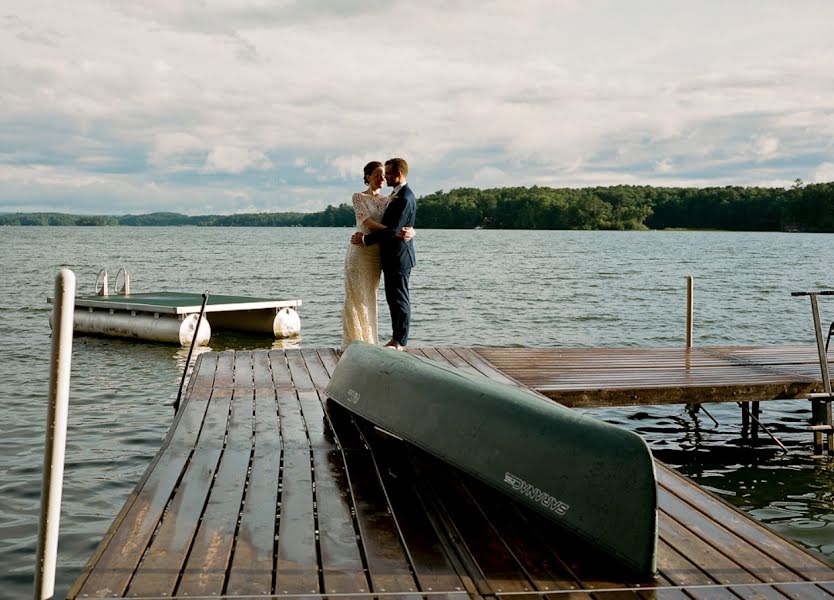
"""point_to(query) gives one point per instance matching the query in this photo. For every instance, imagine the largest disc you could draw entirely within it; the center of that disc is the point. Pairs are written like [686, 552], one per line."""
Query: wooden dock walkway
[264, 488]
[622, 376]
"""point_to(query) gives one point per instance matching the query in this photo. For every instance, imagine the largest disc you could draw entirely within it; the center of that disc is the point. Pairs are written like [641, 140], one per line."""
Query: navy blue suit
[398, 258]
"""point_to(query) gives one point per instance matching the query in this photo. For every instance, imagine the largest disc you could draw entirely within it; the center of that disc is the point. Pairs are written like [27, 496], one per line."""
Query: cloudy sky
[223, 106]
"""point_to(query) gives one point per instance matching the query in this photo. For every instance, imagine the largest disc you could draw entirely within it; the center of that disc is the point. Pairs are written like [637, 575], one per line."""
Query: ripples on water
[470, 288]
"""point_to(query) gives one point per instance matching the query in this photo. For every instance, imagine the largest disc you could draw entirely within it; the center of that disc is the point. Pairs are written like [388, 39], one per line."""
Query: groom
[396, 253]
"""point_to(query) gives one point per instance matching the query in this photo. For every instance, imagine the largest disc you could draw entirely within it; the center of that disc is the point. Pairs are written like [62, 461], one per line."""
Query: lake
[470, 288]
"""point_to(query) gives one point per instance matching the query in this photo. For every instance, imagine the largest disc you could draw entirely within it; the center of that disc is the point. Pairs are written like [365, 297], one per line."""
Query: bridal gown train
[362, 272]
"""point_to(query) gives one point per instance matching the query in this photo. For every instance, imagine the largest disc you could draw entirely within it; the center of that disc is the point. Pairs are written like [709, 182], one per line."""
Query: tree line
[623, 207]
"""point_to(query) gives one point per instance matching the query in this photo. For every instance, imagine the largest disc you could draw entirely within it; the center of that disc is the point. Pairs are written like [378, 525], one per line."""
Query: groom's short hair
[399, 165]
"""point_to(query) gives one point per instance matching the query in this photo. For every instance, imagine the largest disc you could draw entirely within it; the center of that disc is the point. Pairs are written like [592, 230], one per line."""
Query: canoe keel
[592, 478]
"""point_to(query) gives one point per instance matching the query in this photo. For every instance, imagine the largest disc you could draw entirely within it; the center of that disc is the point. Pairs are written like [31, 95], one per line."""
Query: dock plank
[166, 555]
[224, 373]
[501, 572]
[205, 570]
[164, 559]
[791, 557]
[293, 430]
[204, 573]
[296, 561]
[244, 376]
[388, 565]
[684, 573]
[710, 560]
[281, 376]
[432, 568]
[253, 563]
[301, 379]
[115, 566]
[320, 363]
[485, 367]
[266, 425]
[538, 558]
[261, 371]
[342, 565]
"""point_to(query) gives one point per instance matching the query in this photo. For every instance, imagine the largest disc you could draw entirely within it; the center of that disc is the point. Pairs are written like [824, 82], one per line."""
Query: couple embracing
[382, 243]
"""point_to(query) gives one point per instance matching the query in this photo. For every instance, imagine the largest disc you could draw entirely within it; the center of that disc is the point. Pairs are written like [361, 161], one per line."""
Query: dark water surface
[470, 288]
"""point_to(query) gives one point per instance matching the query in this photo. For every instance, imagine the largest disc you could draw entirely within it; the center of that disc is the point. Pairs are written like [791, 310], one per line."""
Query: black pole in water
[190, 350]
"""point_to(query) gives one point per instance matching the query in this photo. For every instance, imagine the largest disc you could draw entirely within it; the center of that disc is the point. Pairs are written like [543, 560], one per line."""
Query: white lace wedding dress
[362, 272]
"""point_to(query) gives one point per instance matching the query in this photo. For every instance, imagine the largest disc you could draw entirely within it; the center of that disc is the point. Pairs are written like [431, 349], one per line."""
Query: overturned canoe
[594, 479]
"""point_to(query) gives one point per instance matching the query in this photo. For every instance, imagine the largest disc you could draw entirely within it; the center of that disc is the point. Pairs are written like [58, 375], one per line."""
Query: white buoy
[287, 323]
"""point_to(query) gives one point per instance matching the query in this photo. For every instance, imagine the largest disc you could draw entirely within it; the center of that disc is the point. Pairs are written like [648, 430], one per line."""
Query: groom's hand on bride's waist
[407, 233]
[356, 239]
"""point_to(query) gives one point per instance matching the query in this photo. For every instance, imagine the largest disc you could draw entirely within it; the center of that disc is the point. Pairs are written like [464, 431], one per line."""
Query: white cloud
[663, 166]
[257, 92]
[765, 146]
[229, 159]
[824, 173]
[488, 177]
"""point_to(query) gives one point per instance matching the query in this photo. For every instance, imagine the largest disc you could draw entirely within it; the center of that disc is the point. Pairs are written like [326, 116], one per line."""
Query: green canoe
[594, 479]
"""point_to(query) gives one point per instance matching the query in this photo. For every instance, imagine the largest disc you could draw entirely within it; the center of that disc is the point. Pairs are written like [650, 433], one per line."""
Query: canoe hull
[594, 479]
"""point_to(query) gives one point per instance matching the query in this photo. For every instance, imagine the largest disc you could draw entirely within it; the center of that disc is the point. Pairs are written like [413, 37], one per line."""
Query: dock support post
[56, 435]
[692, 407]
[745, 418]
[690, 303]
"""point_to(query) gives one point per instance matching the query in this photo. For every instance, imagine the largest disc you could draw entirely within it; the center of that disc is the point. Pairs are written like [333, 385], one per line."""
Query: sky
[229, 106]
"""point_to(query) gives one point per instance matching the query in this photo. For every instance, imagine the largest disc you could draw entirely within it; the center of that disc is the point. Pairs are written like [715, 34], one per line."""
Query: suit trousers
[396, 294]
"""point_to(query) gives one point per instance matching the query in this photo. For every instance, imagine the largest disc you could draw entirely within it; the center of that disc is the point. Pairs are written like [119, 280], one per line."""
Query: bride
[362, 263]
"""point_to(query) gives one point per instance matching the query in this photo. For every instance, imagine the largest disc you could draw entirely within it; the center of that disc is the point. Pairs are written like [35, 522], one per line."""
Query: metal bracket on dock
[745, 411]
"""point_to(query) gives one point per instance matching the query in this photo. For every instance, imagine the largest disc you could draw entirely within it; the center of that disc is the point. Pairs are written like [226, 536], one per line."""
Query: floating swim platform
[594, 479]
[172, 316]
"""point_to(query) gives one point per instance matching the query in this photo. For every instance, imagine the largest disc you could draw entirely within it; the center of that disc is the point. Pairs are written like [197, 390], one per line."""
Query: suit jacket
[395, 252]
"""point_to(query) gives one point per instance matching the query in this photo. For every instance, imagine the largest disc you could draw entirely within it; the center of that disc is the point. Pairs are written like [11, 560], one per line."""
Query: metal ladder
[103, 278]
[821, 417]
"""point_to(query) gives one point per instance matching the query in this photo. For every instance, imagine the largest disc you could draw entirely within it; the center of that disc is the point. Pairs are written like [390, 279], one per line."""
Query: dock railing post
[692, 407]
[821, 416]
[190, 350]
[821, 410]
[56, 434]
[690, 304]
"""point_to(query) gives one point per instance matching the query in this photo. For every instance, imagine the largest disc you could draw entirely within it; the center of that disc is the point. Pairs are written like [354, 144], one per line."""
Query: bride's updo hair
[370, 168]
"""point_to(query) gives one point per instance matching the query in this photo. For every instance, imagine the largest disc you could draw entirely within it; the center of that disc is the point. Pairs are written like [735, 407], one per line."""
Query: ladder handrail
[125, 291]
[822, 347]
[104, 280]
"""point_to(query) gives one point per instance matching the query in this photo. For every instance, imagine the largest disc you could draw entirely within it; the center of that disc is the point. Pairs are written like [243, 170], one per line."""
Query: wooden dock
[623, 376]
[263, 488]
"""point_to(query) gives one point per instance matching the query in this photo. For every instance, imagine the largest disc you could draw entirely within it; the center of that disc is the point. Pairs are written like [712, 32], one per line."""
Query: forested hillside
[800, 208]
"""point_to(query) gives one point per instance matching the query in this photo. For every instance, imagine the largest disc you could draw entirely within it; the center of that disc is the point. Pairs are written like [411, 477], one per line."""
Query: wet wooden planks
[705, 545]
[263, 487]
[624, 376]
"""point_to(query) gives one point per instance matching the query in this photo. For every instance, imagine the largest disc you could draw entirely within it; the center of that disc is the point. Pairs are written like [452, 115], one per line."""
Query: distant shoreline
[802, 208]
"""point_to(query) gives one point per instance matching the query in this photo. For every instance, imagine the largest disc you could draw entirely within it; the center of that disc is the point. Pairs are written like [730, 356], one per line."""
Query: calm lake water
[470, 288]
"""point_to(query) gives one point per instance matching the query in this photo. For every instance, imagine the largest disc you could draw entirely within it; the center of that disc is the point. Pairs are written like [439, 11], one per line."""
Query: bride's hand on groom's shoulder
[407, 233]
